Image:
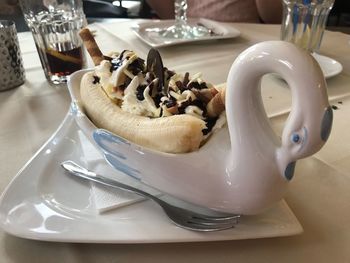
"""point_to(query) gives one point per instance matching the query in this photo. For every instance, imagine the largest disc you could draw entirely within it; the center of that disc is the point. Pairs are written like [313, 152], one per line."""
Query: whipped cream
[132, 104]
[126, 81]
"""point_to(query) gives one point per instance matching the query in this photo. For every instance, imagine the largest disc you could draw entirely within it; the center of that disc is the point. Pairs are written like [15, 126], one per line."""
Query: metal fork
[180, 216]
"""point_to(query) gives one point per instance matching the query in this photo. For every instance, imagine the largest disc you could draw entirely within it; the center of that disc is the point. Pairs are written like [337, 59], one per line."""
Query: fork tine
[192, 214]
[183, 216]
[224, 222]
[202, 228]
[213, 224]
[217, 218]
[207, 227]
[194, 221]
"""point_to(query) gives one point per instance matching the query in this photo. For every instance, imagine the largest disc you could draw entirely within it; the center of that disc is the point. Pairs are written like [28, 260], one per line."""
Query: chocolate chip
[96, 80]
[334, 107]
[137, 66]
[122, 54]
[180, 86]
[203, 85]
[204, 95]
[139, 92]
[157, 99]
[210, 123]
[186, 79]
[192, 85]
[200, 104]
[184, 105]
[169, 73]
[117, 62]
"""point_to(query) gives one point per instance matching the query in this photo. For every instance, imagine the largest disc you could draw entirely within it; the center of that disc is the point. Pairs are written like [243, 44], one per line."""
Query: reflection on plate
[329, 66]
[147, 32]
[45, 204]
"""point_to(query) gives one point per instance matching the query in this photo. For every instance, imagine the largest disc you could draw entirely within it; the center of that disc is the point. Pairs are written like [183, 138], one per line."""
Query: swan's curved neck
[248, 124]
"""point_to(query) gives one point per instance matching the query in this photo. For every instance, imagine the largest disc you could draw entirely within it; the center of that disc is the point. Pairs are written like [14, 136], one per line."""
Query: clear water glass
[182, 29]
[304, 22]
[55, 25]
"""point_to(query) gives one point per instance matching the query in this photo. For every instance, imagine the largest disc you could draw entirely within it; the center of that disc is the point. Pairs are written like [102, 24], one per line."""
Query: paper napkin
[106, 198]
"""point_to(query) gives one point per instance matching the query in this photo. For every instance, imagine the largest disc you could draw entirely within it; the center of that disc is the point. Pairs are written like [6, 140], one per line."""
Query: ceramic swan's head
[254, 172]
[309, 123]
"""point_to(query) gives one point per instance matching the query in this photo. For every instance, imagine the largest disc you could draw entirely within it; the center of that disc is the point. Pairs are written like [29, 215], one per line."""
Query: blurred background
[98, 10]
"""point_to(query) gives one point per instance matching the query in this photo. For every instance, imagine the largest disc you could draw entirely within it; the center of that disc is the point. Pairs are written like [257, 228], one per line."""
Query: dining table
[318, 195]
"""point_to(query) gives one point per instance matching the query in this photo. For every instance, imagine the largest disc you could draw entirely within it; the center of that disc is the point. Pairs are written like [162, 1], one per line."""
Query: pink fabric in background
[224, 10]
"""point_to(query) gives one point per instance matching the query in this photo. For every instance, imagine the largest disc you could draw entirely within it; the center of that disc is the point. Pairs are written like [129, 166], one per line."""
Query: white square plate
[44, 203]
[146, 32]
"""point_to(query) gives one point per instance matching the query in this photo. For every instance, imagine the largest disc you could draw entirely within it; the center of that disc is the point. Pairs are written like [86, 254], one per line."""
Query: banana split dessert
[148, 104]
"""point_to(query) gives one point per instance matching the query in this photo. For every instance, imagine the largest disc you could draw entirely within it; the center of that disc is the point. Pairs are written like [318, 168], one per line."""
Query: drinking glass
[181, 29]
[55, 25]
[304, 22]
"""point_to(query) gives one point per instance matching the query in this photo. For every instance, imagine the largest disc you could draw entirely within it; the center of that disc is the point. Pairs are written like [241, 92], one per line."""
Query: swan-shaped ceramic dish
[243, 169]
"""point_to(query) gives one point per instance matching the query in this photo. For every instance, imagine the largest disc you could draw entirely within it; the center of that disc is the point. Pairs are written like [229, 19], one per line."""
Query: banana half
[172, 134]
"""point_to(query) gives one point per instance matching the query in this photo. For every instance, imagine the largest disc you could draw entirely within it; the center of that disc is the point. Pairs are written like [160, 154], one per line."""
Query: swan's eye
[295, 138]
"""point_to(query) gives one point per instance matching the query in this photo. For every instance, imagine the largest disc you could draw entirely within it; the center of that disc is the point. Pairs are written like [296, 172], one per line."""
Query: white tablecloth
[319, 195]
